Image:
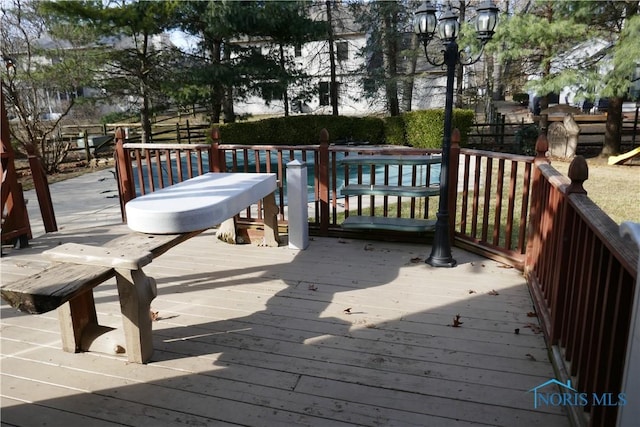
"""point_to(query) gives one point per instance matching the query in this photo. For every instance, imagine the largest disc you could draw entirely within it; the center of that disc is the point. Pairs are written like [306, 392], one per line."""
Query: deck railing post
[124, 173]
[43, 192]
[216, 158]
[454, 163]
[536, 209]
[323, 181]
[297, 200]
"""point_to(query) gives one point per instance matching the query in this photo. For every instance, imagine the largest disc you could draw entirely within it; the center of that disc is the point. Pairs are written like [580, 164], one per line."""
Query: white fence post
[629, 414]
[298, 210]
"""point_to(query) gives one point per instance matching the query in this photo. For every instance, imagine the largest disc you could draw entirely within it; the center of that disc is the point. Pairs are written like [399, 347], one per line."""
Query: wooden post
[124, 172]
[454, 163]
[535, 209]
[323, 181]
[43, 192]
[15, 220]
[85, 138]
[216, 158]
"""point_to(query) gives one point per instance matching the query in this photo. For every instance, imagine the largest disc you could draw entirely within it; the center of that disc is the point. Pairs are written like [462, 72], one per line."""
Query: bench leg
[227, 231]
[75, 317]
[136, 291]
[271, 237]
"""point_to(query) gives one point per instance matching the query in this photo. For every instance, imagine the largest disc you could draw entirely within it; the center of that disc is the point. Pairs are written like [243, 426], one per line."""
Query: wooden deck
[348, 332]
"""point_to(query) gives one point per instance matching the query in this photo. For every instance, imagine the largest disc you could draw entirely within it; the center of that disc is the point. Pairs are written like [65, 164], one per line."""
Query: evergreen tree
[136, 62]
[591, 46]
[390, 51]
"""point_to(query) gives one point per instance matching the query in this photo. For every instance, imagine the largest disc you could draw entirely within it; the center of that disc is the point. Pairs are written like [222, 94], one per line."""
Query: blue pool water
[394, 171]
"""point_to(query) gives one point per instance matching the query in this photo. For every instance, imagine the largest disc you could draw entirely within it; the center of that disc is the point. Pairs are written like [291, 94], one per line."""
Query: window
[324, 93]
[342, 51]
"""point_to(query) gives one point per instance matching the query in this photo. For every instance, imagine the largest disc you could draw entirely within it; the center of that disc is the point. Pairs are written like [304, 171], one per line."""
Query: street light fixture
[448, 27]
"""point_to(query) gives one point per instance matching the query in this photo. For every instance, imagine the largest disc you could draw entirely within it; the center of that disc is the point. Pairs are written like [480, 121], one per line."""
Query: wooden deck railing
[515, 209]
[488, 205]
[582, 276]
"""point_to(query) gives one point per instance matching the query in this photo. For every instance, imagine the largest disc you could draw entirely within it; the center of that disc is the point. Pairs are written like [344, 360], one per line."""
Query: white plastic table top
[197, 203]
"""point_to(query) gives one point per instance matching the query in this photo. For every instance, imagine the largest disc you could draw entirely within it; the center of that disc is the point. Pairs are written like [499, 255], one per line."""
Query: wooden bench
[361, 222]
[173, 215]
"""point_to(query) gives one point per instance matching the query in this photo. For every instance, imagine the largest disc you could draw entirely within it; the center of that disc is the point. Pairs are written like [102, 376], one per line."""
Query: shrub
[521, 98]
[526, 138]
[394, 130]
[425, 128]
[301, 130]
[421, 129]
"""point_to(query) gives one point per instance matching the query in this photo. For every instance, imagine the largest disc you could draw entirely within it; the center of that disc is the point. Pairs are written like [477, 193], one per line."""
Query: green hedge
[424, 129]
[301, 130]
[417, 128]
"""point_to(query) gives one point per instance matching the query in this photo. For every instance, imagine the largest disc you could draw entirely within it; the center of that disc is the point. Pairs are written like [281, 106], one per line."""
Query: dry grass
[615, 189]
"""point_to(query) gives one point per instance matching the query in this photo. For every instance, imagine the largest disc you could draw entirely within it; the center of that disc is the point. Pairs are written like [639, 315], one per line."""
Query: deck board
[259, 336]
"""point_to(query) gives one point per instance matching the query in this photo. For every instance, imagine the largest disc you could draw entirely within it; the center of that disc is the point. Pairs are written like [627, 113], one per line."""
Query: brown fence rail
[582, 276]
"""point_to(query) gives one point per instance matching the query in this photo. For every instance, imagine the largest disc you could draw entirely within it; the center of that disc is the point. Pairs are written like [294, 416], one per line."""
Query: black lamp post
[448, 28]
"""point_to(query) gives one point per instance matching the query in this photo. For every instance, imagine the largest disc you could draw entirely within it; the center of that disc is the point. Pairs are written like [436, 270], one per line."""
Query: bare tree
[39, 81]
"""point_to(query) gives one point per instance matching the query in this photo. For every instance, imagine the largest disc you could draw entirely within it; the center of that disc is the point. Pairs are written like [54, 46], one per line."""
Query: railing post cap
[296, 164]
[542, 146]
[578, 173]
[324, 136]
[215, 133]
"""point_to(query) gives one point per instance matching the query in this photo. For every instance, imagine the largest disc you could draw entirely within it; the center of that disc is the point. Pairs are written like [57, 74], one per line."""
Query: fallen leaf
[456, 321]
[505, 266]
[154, 316]
[368, 247]
[471, 291]
[313, 287]
[416, 260]
[493, 292]
[532, 314]
[347, 310]
[530, 356]
[516, 331]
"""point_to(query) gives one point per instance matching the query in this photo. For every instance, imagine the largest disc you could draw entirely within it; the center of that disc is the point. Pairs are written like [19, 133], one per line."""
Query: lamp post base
[441, 246]
[441, 261]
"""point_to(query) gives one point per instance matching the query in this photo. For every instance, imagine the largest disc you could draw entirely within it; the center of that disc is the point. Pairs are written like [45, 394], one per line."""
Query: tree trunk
[333, 86]
[613, 128]
[216, 89]
[390, 65]
[407, 82]
[285, 94]
[228, 115]
[145, 114]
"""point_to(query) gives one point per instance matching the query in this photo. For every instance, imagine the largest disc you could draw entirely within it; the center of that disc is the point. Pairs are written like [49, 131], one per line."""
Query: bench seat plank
[60, 283]
[198, 203]
[94, 255]
[387, 223]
